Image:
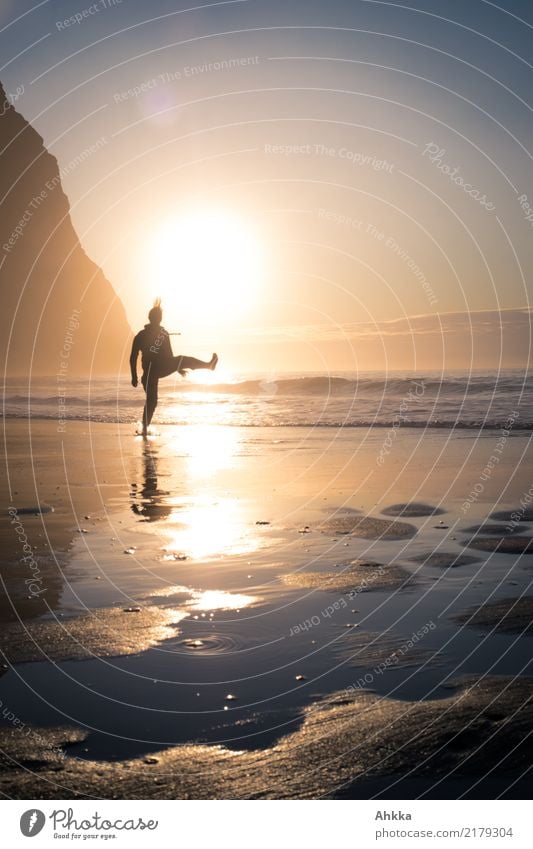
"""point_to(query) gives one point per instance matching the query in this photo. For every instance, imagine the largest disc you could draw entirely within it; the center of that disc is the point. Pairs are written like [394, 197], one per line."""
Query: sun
[206, 265]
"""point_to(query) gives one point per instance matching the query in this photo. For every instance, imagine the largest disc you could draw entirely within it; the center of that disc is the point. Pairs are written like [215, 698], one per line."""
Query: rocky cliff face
[58, 311]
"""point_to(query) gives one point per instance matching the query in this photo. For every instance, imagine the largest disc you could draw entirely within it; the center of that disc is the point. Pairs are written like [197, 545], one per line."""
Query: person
[158, 361]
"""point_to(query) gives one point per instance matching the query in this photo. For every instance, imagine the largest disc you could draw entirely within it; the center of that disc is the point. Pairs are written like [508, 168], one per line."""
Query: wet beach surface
[213, 597]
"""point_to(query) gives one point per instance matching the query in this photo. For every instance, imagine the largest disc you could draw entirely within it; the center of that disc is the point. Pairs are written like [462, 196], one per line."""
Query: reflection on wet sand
[148, 500]
[208, 600]
[206, 528]
[183, 577]
[202, 526]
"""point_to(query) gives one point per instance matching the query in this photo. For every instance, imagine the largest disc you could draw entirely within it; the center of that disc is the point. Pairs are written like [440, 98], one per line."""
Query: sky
[307, 185]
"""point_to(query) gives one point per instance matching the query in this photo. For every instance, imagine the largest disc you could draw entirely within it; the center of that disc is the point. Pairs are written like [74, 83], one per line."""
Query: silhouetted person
[158, 361]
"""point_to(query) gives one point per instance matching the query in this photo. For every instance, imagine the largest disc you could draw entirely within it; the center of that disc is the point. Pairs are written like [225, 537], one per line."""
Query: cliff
[59, 312]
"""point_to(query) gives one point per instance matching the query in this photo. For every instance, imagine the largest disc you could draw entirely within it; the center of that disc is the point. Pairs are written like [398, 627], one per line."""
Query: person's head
[155, 315]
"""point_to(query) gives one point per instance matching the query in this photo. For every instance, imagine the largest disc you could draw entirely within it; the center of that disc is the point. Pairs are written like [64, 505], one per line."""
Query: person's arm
[135, 348]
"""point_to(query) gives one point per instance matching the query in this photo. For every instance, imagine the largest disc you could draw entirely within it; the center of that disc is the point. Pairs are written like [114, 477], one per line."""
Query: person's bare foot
[183, 371]
[213, 362]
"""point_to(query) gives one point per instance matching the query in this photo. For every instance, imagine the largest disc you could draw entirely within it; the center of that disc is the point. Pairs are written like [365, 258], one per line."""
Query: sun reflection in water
[207, 448]
[220, 600]
[207, 529]
[206, 600]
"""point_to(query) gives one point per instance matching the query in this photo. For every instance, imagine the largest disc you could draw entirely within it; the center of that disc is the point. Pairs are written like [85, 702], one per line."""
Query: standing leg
[150, 383]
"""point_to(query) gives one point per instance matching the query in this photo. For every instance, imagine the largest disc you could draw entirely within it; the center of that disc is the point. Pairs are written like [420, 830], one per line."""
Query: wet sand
[101, 633]
[241, 599]
[352, 578]
[509, 615]
[349, 747]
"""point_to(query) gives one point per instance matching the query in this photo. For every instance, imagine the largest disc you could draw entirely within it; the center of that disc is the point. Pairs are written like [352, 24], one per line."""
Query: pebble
[151, 760]
[129, 550]
[299, 677]
[230, 697]
[132, 609]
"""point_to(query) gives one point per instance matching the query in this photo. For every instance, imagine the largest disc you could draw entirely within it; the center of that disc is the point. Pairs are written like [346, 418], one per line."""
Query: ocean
[368, 399]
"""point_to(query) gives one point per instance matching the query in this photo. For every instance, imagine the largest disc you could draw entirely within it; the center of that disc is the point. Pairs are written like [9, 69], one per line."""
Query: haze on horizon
[308, 186]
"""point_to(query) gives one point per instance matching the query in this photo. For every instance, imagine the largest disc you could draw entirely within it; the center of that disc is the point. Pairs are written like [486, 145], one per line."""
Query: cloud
[464, 324]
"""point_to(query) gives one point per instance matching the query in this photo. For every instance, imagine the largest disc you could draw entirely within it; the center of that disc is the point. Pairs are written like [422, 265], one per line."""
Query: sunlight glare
[205, 265]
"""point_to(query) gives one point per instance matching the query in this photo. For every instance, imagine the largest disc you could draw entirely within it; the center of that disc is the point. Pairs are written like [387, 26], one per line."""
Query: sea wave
[238, 421]
[322, 386]
[479, 401]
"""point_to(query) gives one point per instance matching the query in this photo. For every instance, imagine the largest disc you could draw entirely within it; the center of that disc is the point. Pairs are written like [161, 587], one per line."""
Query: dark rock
[46, 274]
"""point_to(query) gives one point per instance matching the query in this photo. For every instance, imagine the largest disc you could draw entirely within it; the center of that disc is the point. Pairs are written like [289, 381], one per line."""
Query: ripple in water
[213, 644]
[228, 640]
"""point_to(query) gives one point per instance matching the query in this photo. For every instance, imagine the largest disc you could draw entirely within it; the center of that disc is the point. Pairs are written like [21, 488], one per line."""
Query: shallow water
[367, 399]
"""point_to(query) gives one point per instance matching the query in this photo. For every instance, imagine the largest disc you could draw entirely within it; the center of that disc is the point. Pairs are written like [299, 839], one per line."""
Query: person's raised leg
[183, 364]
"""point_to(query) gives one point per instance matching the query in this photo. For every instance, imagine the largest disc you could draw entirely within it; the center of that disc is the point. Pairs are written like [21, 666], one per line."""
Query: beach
[265, 612]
